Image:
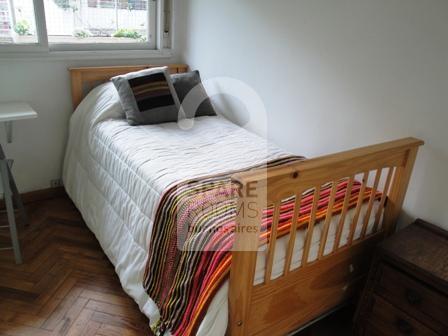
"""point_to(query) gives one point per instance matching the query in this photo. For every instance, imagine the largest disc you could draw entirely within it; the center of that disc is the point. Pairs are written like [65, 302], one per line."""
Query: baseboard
[39, 195]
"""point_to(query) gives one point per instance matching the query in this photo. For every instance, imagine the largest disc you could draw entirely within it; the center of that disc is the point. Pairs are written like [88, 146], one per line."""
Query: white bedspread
[116, 174]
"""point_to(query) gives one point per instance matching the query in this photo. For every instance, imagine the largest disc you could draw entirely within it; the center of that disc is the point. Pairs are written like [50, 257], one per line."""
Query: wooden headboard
[85, 79]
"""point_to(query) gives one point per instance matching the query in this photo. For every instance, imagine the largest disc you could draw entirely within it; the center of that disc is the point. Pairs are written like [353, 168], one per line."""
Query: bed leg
[244, 259]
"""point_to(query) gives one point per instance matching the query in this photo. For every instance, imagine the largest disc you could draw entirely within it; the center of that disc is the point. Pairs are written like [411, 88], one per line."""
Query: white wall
[336, 74]
[39, 144]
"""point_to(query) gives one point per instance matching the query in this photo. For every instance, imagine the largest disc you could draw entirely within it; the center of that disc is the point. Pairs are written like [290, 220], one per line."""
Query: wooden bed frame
[279, 306]
[84, 79]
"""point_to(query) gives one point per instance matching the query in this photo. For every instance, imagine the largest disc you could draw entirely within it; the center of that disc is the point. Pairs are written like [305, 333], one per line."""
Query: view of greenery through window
[76, 21]
[17, 24]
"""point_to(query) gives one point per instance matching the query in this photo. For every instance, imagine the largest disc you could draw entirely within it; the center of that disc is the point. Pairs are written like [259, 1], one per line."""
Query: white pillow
[101, 103]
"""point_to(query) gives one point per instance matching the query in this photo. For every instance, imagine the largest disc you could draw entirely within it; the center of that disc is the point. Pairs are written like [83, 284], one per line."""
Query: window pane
[17, 23]
[97, 21]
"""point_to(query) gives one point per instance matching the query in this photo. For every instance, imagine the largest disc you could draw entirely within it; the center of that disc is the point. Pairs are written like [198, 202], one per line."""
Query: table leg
[17, 199]
[8, 128]
[4, 170]
[14, 190]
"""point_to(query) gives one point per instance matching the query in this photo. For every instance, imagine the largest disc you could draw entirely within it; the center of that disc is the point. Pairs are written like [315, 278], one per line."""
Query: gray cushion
[183, 83]
[148, 96]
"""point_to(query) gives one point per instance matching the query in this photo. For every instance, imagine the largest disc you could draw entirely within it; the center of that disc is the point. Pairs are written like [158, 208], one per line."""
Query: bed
[117, 175]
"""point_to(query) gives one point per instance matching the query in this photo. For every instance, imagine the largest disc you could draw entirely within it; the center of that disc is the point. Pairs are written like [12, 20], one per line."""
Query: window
[85, 24]
[98, 21]
[17, 23]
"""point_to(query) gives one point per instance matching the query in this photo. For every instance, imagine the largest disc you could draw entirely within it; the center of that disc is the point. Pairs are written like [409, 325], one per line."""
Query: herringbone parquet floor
[66, 285]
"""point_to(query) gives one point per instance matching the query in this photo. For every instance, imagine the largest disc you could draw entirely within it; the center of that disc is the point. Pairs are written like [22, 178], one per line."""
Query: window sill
[86, 55]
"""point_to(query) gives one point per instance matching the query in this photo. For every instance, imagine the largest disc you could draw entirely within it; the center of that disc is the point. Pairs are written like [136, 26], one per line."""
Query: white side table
[10, 112]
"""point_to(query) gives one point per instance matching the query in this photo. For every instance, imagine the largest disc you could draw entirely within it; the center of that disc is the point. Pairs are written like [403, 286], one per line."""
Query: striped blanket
[189, 256]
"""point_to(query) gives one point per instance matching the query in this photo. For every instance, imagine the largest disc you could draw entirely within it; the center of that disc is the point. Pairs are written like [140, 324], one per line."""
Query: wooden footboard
[278, 306]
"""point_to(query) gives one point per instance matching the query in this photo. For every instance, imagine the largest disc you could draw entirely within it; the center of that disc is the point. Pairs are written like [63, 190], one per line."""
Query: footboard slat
[272, 243]
[343, 213]
[383, 198]
[328, 216]
[324, 281]
[310, 228]
[354, 223]
[371, 201]
[293, 233]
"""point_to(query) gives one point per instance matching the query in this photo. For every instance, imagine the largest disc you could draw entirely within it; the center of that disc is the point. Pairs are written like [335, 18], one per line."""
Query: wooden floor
[67, 286]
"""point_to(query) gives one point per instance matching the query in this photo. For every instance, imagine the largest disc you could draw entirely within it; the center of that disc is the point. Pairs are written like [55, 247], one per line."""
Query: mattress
[116, 174]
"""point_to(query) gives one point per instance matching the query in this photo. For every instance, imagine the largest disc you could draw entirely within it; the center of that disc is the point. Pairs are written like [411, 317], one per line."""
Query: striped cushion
[148, 96]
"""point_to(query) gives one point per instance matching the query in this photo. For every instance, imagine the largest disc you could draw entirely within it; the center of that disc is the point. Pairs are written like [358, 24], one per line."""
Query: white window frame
[153, 48]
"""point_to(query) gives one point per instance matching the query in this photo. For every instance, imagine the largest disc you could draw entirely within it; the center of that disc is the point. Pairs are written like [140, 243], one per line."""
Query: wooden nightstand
[407, 289]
